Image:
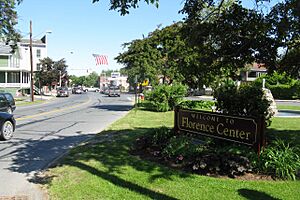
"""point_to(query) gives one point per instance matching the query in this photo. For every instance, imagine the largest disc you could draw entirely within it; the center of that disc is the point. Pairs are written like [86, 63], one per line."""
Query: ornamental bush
[282, 91]
[165, 97]
[280, 160]
[246, 100]
[198, 155]
[282, 86]
[197, 105]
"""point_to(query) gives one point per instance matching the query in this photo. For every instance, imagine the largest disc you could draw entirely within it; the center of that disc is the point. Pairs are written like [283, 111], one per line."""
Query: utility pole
[59, 78]
[31, 63]
[135, 90]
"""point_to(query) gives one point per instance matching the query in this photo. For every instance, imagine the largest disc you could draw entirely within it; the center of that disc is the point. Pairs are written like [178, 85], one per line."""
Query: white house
[255, 70]
[115, 79]
[15, 67]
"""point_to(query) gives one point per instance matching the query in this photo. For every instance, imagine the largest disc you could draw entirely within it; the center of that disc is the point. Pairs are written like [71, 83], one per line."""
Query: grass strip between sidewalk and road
[288, 107]
[104, 169]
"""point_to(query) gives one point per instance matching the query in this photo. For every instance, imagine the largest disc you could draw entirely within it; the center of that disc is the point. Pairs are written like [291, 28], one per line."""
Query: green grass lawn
[285, 128]
[25, 103]
[287, 107]
[104, 169]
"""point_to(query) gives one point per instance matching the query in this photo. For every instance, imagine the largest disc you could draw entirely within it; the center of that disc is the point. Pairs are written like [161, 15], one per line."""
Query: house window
[3, 61]
[38, 67]
[13, 77]
[252, 74]
[38, 53]
[2, 77]
[25, 76]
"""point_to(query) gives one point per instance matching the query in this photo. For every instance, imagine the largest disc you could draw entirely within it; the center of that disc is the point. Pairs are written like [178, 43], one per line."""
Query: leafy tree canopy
[92, 80]
[123, 6]
[108, 72]
[51, 72]
[8, 20]
[285, 28]
[138, 60]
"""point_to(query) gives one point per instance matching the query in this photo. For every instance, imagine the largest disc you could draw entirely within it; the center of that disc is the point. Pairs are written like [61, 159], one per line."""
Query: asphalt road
[46, 131]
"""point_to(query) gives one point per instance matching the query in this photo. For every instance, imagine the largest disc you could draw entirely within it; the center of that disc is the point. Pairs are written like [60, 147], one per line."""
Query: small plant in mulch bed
[180, 151]
[280, 160]
[155, 141]
[223, 158]
[216, 157]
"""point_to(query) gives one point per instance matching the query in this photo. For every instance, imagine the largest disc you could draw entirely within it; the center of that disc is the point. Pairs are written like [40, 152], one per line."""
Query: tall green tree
[51, 72]
[108, 72]
[223, 37]
[167, 45]
[285, 28]
[77, 80]
[8, 21]
[45, 75]
[92, 80]
[123, 6]
[60, 70]
[139, 60]
[235, 37]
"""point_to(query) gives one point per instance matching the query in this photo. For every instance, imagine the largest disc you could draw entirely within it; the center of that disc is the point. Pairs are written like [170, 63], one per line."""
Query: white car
[91, 89]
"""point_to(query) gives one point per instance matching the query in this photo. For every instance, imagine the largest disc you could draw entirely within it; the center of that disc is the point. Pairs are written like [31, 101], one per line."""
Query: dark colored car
[7, 125]
[114, 91]
[77, 90]
[62, 92]
[7, 103]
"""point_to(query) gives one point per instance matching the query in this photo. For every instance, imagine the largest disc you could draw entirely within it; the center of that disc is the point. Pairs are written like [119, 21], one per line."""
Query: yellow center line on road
[53, 111]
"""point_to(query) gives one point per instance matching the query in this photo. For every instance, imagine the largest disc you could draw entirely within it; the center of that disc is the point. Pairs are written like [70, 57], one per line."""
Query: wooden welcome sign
[243, 130]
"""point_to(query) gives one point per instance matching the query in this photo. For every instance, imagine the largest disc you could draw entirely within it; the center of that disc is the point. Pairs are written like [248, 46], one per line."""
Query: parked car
[114, 91]
[7, 103]
[104, 90]
[77, 90]
[91, 89]
[7, 125]
[62, 92]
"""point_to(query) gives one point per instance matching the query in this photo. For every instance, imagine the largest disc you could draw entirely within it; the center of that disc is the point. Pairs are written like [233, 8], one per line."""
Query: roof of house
[258, 67]
[27, 41]
[5, 50]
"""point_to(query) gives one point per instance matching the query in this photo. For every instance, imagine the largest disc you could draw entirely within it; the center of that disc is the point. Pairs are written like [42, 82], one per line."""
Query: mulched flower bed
[154, 154]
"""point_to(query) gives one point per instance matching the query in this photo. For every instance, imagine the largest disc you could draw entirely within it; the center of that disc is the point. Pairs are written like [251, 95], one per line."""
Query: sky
[80, 28]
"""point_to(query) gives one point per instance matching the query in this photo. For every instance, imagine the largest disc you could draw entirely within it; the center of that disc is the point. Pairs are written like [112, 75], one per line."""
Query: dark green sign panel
[232, 128]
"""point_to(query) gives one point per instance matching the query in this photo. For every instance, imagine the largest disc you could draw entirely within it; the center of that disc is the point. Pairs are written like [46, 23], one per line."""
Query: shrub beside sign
[243, 130]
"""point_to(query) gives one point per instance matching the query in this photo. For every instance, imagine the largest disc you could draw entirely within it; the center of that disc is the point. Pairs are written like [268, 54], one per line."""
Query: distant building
[115, 79]
[253, 72]
[15, 67]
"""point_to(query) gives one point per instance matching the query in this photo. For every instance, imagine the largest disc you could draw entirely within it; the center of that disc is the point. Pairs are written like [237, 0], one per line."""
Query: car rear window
[2, 98]
[9, 97]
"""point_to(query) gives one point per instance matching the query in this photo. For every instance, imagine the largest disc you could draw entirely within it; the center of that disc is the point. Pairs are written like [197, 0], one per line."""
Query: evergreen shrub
[281, 85]
[165, 97]
[197, 105]
[280, 160]
[246, 100]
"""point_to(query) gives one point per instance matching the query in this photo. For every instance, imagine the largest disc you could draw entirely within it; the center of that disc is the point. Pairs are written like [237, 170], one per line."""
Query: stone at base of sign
[272, 110]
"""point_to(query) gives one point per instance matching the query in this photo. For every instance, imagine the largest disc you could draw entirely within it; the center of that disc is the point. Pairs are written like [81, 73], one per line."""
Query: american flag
[100, 59]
